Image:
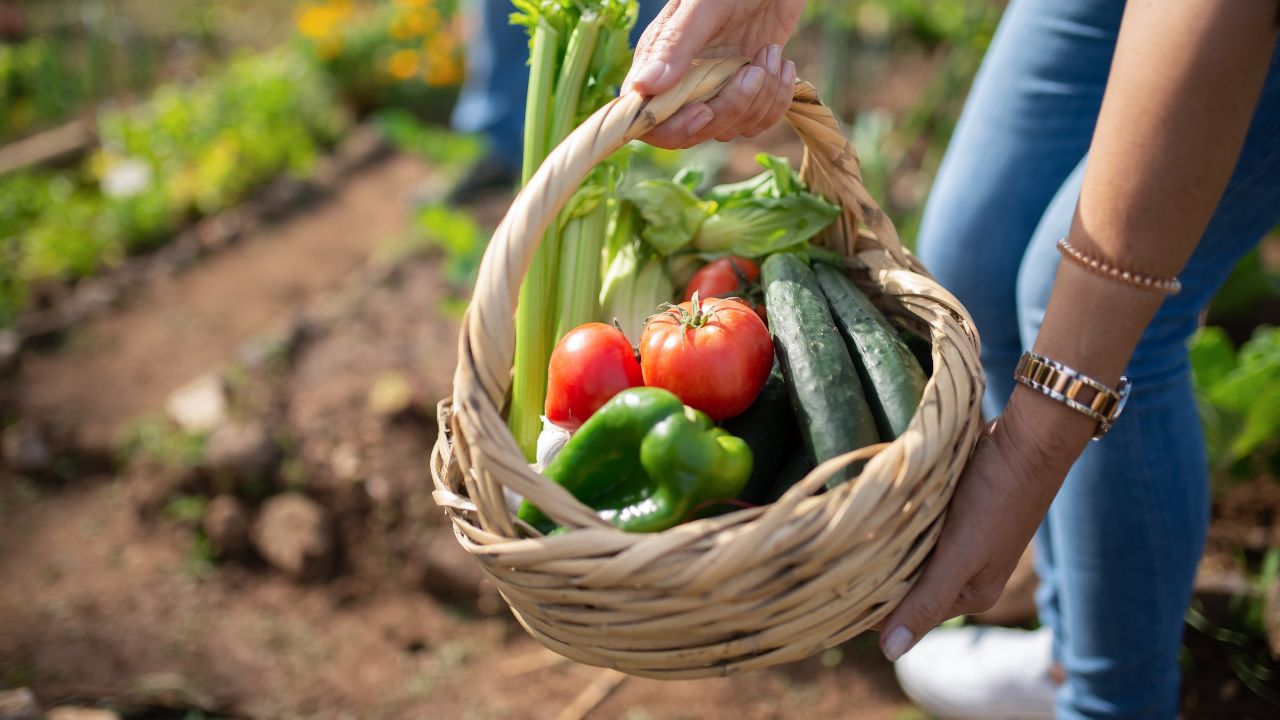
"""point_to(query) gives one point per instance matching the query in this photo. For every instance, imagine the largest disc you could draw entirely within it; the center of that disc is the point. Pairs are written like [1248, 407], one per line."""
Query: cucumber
[796, 467]
[769, 429]
[891, 375]
[920, 348]
[822, 382]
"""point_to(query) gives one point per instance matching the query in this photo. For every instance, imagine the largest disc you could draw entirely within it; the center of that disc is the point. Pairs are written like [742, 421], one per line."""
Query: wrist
[1045, 433]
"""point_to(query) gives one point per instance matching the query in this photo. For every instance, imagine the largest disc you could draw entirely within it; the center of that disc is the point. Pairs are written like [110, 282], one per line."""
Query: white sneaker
[981, 673]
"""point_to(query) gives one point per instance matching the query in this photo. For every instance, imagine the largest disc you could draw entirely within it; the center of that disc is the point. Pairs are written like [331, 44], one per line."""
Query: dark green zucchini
[769, 429]
[796, 467]
[891, 375]
[823, 384]
[920, 348]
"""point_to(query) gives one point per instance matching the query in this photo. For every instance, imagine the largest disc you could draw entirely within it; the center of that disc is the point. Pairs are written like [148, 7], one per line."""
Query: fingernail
[773, 60]
[701, 117]
[752, 79]
[650, 73]
[789, 72]
[897, 642]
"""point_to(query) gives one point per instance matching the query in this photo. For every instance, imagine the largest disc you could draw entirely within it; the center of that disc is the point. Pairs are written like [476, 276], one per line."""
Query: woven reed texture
[736, 592]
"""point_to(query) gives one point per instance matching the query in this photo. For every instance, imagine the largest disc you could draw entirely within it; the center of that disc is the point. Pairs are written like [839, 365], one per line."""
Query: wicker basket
[741, 591]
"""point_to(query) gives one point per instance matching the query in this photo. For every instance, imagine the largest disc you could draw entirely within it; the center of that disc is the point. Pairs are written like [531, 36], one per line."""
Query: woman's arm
[1185, 80]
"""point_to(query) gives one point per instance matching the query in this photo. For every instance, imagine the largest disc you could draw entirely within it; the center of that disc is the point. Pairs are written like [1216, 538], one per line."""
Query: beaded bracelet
[1166, 285]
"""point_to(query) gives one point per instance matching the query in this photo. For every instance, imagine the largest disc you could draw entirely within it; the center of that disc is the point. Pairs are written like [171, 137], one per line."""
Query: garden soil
[110, 596]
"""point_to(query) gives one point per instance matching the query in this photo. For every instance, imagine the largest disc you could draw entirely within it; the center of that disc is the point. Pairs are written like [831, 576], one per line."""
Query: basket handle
[830, 167]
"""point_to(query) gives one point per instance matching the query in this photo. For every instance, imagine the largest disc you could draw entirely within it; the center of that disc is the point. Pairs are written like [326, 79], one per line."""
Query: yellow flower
[446, 74]
[321, 22]
[316, 21]
[412, 3]
[399, 29]
[422, 22]
[403, 64]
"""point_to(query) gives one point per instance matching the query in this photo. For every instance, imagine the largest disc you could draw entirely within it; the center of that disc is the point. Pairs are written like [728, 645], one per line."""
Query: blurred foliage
[1250, 283]
[901, 149]
[208, 144]
[48, 79]
[387, 53]
[153, 438]
[444, 149]
[187, 151]
[1239, 397]
[1243, 632]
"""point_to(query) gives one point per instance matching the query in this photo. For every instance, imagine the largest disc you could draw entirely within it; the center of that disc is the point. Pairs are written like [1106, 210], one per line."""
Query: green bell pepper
[646, 461]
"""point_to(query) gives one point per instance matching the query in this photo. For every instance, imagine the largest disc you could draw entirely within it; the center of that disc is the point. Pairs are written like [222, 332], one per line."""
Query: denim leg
[493, 96]
[1028, 121]
[1127, 530]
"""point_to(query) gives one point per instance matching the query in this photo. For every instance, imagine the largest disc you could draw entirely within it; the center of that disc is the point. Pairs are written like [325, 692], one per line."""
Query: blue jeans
[1117, 553]
[493, 95]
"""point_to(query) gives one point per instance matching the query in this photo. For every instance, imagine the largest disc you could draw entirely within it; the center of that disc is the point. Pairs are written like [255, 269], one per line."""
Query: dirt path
[98, 606]
[124, 363]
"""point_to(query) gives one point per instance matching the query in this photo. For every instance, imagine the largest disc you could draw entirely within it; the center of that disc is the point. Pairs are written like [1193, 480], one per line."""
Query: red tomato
[715, 355]
[728, 276]
[591, 363]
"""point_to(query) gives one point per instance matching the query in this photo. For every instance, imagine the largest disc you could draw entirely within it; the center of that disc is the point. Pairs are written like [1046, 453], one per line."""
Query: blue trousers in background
[1118, 551]
[493, 95]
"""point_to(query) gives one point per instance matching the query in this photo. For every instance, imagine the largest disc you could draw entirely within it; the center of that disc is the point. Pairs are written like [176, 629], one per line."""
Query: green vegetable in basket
[578, 53]
[768, 213]
[646, 462]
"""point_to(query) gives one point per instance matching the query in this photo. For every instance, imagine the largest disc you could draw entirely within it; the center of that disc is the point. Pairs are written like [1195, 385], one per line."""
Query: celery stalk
[578, 289]
[578, 53]
[582, 235]
[533, 319]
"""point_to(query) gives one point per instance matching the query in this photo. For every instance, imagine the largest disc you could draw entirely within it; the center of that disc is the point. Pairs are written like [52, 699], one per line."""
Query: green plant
[1238, 394]
[459, 237]
[1250, 283]
[187, 151]
[1244, 639]
[186, 509]
[439, 146]
[155, 439]
[210, 143]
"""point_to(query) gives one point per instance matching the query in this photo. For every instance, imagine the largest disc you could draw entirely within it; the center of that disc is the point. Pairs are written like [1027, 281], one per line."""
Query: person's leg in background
[493, 96]
[1128, 527]
[492, 99]
[1026, 124]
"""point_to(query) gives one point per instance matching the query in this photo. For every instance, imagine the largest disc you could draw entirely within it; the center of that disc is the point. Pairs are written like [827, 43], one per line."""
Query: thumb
[672, 42]
[924, 607]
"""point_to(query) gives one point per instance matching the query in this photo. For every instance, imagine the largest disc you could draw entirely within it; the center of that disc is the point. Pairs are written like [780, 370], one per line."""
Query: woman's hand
[753, 100]
[1001, 498]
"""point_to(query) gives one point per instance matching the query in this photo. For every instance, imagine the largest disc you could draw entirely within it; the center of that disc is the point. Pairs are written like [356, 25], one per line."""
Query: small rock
[67, 712]
[451, 575]
[226, 524]
[92, 295]
[26, 447]
[294, 533]
[18, 704]
[10, 348]
[200, 405]
[345, 461]
[241, 449]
